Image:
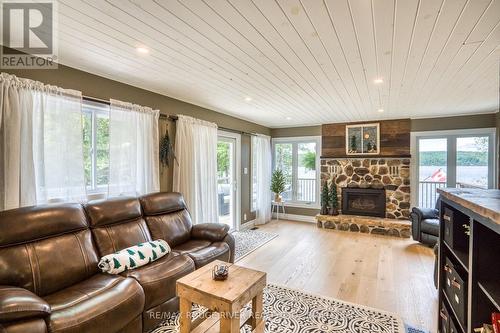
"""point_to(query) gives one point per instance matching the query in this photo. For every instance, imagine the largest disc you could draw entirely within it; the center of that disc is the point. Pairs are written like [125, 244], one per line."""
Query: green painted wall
[451, 123]
[296, 131]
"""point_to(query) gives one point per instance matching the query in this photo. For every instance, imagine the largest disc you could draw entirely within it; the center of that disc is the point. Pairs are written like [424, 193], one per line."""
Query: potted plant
[325, 199]
[278, 184]
[334, 202]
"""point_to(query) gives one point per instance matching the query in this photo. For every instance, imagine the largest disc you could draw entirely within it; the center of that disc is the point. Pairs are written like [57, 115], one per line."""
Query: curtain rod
[168, 117]
[174, 118]
[107, 102]
[98, 100]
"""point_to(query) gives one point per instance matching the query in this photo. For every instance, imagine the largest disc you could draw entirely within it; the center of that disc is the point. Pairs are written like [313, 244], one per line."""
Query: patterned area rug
[291, 311]
[248, 241]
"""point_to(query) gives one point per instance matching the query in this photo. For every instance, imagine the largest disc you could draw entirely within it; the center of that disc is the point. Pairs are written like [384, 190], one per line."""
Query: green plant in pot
[278, 184]
[334, 202]
[325, 199]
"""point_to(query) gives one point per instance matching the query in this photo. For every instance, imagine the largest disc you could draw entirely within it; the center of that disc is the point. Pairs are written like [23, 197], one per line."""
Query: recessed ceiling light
[378, 81]
[141, 49]
[288, 118]
[248, 99]
[380, 110]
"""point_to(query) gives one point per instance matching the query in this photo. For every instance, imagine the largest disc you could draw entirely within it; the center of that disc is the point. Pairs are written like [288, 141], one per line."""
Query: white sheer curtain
[261, 145]
[133, 149]
[41, 146]
[195, 176]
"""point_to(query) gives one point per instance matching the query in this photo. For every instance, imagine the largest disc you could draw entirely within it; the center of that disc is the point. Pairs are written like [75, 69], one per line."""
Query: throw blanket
[134, 256]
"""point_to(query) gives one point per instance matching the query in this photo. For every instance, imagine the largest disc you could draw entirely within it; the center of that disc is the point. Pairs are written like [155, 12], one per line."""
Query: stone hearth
[392, 174]
[364, 224]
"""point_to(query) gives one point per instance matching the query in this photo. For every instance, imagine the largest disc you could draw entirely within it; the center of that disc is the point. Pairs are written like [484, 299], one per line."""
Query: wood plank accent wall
[394, 139]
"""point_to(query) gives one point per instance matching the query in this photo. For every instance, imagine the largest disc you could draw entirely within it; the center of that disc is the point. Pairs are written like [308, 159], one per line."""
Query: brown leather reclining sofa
[49, 279]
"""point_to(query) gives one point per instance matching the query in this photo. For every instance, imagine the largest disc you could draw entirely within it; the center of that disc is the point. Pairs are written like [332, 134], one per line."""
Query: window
[457, 158]
[96, 145]
[298, 158]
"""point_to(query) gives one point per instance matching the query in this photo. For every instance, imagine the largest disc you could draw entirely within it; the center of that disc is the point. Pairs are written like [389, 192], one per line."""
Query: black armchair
[425, 224]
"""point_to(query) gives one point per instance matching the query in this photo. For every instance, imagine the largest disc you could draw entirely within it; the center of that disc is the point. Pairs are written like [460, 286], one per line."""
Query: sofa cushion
[102, 301]
[162, 203]
[114, 210]
[430, 226]
[158, 278]
[46, 266]
[167, 217]
[36, 242]
[117, 224]
[191, 246]
[27, 224]
[207, 254]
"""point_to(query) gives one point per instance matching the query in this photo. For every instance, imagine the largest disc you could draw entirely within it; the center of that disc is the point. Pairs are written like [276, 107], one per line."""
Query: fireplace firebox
[363, 201]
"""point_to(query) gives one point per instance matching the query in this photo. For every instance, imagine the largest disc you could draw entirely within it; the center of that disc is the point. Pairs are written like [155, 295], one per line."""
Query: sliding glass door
[472, 160]
[228, 175]
[432, 169]
[463, 160]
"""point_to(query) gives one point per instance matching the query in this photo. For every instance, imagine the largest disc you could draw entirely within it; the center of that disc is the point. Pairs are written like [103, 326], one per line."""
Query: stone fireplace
[363, 201]
[368, 175]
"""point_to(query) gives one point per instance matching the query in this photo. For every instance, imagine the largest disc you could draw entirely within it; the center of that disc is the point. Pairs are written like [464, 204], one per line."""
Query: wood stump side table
[225, 297]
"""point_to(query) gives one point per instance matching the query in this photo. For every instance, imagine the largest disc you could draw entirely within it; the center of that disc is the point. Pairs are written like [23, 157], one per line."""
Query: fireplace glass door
[363, 201]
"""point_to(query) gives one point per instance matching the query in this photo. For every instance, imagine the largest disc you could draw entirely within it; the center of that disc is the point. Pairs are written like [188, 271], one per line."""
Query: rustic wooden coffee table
[226, 298]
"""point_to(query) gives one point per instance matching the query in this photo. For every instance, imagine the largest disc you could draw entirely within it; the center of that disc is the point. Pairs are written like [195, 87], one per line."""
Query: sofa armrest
[214, 232]
[426, 213]
[18, 303]
[415, 226]
[229, 240]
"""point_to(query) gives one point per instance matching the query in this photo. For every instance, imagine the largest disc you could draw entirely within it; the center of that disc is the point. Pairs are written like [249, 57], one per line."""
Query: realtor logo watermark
[28, 34]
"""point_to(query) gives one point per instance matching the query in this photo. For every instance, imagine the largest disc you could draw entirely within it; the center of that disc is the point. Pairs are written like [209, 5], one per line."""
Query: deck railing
[306, 189]
[427, 194]
[467, 185]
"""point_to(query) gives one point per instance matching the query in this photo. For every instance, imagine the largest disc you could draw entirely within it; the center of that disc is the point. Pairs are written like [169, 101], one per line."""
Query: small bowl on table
[220, 272]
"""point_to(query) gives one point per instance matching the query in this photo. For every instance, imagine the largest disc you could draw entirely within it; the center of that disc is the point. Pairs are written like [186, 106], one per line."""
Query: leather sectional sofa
[49, 279]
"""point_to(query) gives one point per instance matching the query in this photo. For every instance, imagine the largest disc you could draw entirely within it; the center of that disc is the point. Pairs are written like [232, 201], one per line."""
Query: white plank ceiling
[285, 63]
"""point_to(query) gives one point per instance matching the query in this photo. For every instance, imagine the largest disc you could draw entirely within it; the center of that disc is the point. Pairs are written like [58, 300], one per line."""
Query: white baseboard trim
[247, 225]
[295, 217]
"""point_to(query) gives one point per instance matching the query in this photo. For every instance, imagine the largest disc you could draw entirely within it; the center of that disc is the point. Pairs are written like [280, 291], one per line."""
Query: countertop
[483, 202]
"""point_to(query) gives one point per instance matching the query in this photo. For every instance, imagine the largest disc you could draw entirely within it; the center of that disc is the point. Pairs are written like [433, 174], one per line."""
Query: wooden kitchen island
[469, 258]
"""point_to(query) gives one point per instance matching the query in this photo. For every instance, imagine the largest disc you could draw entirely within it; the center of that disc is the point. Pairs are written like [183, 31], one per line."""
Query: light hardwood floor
[383, 272]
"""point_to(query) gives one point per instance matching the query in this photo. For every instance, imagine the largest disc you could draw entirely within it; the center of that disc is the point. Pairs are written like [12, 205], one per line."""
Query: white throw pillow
[134, 256]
